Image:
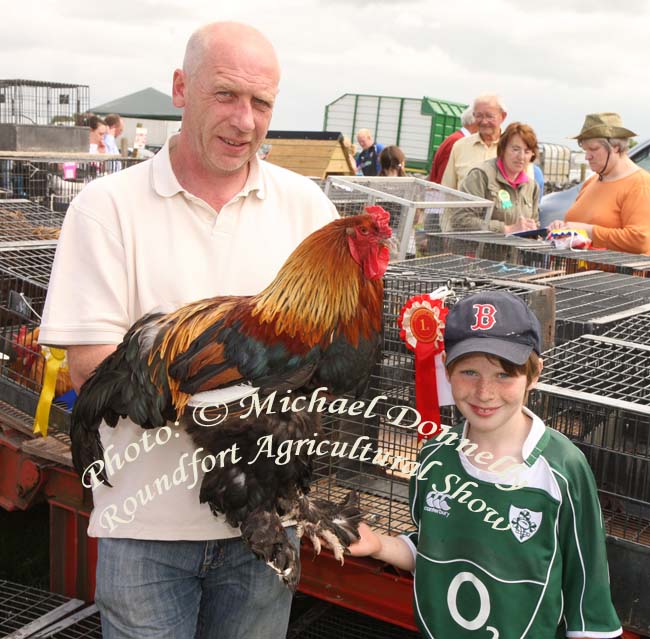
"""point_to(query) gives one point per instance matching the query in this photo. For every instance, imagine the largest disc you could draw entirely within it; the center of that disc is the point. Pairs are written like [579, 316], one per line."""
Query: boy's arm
[392, 550]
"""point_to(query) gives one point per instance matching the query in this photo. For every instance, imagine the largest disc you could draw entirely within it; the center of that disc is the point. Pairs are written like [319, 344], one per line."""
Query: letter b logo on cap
[484, 317]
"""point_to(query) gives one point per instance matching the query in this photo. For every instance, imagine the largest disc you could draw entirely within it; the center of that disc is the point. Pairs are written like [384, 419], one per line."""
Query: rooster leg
[334, 524]
[264, 534]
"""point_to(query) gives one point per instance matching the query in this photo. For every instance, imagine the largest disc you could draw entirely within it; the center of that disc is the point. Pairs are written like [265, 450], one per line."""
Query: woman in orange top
[613, 206]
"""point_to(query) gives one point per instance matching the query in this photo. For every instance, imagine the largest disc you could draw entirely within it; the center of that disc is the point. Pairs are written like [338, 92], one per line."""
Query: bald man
[204, 217]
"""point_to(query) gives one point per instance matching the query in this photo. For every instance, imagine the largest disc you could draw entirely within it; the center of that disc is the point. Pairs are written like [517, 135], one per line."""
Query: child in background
[392, 161]
[499, 556]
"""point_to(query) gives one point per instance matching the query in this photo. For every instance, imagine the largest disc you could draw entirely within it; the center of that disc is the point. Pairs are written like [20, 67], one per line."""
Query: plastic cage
[415, 205]
[482, 245]
[25, 221]
[595, 390]
[381, 473]
[34, 102]
[54, 180]
[24, 277]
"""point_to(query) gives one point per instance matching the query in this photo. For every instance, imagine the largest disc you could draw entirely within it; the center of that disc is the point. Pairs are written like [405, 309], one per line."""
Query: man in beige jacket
[489, 114]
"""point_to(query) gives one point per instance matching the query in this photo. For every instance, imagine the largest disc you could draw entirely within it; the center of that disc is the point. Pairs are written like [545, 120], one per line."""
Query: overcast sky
[551, 60]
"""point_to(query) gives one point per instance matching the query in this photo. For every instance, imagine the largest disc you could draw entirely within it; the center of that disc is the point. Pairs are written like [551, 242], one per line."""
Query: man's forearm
[83, 360]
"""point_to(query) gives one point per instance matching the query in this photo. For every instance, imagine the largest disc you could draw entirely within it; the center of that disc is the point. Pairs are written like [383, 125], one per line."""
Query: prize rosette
[422, 324]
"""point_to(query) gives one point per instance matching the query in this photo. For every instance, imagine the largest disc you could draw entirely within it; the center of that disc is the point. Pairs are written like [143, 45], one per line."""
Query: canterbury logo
[484, 318]
[437, 503]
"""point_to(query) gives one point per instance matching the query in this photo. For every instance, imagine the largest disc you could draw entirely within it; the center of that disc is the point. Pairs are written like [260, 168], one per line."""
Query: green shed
[416, 125]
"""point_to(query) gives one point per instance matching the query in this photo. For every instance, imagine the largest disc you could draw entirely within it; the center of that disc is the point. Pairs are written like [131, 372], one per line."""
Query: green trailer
[417, 126]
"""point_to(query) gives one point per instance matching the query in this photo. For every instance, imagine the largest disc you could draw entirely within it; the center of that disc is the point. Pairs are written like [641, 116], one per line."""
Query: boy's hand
[369, 542]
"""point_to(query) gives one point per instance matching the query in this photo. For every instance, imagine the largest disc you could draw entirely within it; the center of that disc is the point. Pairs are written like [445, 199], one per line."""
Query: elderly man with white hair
[441, 158]
[489, 113]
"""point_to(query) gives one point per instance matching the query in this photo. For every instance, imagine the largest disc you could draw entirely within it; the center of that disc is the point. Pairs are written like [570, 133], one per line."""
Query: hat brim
[603, 131]
[505, 349]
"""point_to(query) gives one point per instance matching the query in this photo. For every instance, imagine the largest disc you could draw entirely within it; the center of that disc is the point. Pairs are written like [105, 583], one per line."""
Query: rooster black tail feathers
[121, 386]
[87, 455]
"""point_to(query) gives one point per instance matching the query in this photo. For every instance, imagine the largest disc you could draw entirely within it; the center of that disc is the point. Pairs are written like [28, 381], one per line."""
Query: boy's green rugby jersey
[506, 564]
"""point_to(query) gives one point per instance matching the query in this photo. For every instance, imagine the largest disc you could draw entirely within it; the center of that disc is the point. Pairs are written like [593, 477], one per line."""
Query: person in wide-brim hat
[603, 125]
[613, 206]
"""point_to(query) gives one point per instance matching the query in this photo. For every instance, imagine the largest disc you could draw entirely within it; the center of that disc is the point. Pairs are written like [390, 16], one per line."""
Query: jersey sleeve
[87, 296]
[588, 608]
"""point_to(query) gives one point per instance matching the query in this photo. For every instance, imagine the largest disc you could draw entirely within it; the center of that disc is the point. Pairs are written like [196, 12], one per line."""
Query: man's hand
[83, 360]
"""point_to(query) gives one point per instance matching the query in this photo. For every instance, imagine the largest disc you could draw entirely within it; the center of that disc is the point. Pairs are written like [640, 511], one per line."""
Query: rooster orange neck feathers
[337, 287]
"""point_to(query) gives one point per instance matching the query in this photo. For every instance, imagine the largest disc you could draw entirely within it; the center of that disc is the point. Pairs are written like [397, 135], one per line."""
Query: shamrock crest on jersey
[524, 523]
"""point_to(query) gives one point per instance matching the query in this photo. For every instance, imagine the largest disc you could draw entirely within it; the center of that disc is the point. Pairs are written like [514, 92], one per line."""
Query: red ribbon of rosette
[422, 324]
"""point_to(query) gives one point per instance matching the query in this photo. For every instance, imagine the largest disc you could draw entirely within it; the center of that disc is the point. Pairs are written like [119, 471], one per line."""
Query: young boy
[510, 540]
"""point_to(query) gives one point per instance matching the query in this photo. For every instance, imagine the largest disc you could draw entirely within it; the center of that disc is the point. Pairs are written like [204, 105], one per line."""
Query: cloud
[633, 7]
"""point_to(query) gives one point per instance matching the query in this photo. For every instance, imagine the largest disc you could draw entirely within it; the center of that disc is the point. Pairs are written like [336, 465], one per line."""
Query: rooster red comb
[381, 217]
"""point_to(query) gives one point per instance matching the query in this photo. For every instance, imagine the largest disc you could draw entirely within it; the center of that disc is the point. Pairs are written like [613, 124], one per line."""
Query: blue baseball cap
[494, 323]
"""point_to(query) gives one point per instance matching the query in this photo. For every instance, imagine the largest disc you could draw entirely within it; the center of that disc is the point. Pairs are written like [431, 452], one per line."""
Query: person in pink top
[505, 181]
[613, 206]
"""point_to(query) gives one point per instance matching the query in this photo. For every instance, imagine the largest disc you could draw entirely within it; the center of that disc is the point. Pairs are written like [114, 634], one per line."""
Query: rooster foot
[335, 525]
[264, 534]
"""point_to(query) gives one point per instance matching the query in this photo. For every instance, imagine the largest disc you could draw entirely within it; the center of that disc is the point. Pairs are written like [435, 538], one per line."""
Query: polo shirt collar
[166, 184]
[536, 440]
[479, 140]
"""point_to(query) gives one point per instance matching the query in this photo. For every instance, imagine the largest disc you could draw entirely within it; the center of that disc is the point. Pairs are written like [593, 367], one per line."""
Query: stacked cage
[575, 261]
[483, 245]
[374, 446]
[595, 390]
[44, 103]
[23, 221]
[592, 302]
[54, 180]
[415, 205]
[635, 329]
[472, 267]
[24, 277]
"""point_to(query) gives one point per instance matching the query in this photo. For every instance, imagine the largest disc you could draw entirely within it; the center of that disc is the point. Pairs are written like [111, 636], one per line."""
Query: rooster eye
[363, 230]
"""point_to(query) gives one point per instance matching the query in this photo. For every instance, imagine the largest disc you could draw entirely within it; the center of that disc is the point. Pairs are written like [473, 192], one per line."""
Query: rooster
[318, 324]
[26, 362]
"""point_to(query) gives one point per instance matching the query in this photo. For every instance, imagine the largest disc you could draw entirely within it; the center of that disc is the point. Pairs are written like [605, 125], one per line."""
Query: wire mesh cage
[415, 205]
[34, 102]
[31, 612]
[580, 311]
[595, 390]
[635, 329]
[482, 245]
[54, 180]
[472, 267]
[600, 282]
[376, 449]
[328, 621]
[25, 221]
[24, 277]
[574, 261]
